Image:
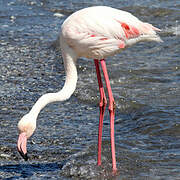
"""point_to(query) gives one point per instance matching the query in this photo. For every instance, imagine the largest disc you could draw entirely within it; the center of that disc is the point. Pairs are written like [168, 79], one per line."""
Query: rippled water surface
[145, 81]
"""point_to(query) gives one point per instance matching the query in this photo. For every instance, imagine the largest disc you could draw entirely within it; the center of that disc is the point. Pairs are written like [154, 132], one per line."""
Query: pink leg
[102, 107]
[111, 111]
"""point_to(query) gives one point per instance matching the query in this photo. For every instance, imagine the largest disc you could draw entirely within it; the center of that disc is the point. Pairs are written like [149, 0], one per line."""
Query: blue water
[145, 82]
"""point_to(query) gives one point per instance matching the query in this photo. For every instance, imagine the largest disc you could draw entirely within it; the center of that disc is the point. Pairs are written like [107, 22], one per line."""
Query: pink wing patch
[121, 45]
[102, 39]
[129, 31]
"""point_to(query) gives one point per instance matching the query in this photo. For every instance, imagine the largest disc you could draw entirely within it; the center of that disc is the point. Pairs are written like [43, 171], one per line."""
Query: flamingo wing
[101, 31]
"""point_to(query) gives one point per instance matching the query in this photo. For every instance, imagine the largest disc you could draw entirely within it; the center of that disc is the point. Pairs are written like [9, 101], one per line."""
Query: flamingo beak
[21, 146]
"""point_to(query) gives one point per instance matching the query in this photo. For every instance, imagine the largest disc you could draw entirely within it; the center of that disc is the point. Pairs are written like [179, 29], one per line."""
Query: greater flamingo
[94, 32]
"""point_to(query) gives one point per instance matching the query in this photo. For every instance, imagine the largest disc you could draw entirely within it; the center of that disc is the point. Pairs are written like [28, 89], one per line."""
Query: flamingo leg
[111, 112]
[102, 107]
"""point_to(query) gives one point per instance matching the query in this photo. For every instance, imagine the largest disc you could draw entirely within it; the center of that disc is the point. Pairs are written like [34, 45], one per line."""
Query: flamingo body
[99, 32]
[95, 32]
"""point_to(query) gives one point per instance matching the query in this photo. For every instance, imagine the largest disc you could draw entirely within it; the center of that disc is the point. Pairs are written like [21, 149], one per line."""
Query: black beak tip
[24, 156]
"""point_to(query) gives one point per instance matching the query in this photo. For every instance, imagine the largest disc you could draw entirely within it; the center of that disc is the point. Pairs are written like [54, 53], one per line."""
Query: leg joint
[112, 106]
[103, 102]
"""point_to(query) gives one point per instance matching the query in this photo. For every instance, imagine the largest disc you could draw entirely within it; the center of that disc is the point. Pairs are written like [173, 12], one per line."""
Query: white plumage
[98, 32]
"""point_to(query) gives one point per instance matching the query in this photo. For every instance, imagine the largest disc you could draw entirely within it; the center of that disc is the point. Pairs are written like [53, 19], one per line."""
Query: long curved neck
[69, 87]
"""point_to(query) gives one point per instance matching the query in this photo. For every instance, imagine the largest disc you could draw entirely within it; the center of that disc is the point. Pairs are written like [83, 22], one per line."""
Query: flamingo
[95, 33]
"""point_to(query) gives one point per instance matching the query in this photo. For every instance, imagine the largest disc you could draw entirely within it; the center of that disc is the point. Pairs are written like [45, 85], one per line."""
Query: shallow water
[145, 81]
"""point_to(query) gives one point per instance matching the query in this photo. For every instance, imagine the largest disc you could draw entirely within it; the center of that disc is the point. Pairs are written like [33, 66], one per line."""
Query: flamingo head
[26, 126]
